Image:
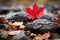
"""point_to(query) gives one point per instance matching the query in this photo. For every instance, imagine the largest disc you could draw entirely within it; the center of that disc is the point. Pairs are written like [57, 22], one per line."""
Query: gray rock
[19, 36]
[12, 15]
[26, 38]
[3, 35]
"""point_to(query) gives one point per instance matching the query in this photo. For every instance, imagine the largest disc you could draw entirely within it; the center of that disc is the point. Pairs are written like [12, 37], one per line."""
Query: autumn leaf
[35, 12]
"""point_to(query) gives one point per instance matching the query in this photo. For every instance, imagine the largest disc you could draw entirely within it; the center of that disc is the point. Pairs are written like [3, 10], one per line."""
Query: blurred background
[27, 2]
[8, 5]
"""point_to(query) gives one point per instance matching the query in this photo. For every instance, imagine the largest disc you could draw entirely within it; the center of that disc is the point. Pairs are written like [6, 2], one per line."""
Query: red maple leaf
[35, 12]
